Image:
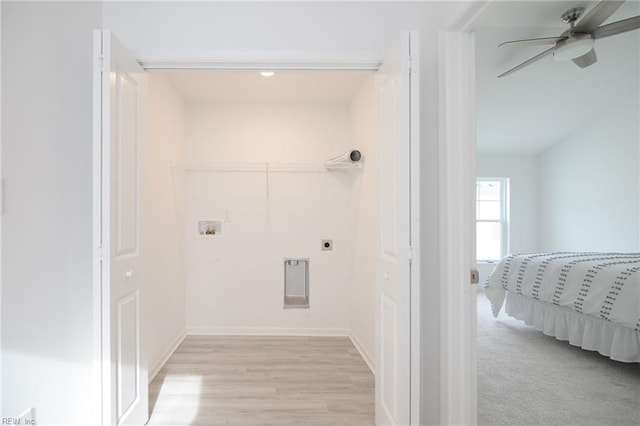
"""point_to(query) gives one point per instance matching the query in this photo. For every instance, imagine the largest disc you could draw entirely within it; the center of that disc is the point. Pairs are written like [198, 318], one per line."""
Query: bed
[590, 299]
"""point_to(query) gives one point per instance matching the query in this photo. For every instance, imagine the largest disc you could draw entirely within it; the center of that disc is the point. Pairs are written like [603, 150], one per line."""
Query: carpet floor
[527, 378]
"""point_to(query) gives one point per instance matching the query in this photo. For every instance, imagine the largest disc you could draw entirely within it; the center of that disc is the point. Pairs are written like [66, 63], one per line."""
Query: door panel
[393, 364]
[388, 357]
[122, 135]
[128, 354]
[389, 128]
[126, 93]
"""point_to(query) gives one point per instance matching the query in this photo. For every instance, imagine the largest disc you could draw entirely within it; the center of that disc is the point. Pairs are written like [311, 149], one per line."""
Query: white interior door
[122, 134]
[398, 95]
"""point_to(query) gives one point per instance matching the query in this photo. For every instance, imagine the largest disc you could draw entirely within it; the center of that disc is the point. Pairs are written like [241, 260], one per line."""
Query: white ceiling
[530, 110]
[284, 86]
[523, 113]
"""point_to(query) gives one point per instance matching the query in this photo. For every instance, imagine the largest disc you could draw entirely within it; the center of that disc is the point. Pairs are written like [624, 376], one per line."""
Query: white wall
[363, 287]
[235, 281]
[581, 194]
[263, 30]
[589, 184]
[47, 313]
[1, 209]
[522, 171]
[266, 132]
[162, 241]
[59, 41]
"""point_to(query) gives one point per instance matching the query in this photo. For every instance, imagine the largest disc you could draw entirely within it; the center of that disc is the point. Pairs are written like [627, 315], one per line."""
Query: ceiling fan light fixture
[573, 47]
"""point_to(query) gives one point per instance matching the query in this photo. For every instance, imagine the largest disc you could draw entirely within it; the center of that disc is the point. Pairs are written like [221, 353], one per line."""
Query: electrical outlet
[327, 245]
[28, 417]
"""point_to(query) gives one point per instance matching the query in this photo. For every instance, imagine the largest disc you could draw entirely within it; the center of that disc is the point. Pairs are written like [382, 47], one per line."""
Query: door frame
[457, 173]
[250, 62]
[101, 387]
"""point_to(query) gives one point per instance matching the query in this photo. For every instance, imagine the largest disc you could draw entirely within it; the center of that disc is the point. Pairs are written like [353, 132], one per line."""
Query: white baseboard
[363, 353]
[266, 331]
[153, 371]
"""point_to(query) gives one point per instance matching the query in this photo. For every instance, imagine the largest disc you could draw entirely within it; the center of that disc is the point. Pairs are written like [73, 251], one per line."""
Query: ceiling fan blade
[529, 62]
[587, 59]
[617, 27]
[596, 16]
[532, 41]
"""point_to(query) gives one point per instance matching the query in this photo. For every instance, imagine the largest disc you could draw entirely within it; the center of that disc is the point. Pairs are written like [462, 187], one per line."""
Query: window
[492, 219]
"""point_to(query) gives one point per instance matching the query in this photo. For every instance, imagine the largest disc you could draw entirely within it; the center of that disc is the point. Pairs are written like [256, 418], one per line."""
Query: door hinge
[99, 253]
[101, 64]
[475, 276]
[413, 68]
[410, 254]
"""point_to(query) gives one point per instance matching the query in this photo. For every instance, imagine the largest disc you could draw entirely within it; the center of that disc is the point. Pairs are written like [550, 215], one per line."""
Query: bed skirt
[593, 334]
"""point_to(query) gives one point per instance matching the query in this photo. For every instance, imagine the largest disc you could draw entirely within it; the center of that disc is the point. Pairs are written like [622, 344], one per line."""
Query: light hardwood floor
[238, 380]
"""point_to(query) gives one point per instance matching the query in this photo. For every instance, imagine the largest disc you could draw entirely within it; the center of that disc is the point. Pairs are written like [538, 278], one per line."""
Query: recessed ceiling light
[266, 73]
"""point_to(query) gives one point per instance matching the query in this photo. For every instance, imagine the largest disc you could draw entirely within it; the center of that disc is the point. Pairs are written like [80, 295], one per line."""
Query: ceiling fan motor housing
[573, 47]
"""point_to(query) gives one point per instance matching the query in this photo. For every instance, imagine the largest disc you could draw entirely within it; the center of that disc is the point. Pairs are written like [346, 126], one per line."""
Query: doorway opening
[196, 202]
[551, 172]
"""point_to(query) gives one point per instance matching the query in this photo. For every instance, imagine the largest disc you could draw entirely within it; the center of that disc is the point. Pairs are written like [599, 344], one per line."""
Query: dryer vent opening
[296, 283]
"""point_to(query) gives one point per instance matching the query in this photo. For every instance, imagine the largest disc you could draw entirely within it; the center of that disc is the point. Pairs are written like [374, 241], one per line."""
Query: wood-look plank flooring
[238, 380]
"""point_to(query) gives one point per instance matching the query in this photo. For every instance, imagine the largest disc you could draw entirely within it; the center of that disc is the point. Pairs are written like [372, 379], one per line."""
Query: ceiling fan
[576, 43]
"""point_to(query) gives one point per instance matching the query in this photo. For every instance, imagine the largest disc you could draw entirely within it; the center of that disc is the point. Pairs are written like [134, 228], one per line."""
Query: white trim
[368, 359]
[458, 341]
[266, 331]
[98, 398]
[102, 129]
[456, 73]
[414, 220]
[1, 212]
[248, 59]
[466, 23]
[259, 66]
[157, 366]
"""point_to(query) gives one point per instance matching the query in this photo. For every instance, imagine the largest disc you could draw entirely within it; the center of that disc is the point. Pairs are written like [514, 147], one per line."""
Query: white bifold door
[120, 102]
[397, 87]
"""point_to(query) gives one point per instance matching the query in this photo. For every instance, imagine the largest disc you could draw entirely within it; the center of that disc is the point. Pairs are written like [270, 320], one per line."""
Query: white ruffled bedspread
[590, 299]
